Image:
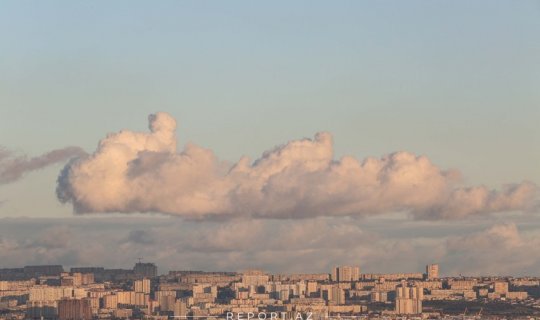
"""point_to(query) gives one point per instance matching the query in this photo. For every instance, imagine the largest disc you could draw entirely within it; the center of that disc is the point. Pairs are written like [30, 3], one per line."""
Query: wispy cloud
[13, 167]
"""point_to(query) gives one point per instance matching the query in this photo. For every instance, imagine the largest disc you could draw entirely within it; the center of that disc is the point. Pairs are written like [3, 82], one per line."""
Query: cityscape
[269, 160]
[50, 292]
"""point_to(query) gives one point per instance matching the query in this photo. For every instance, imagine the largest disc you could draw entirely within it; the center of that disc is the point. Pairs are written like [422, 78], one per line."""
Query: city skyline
[277, 136]
[51, 292]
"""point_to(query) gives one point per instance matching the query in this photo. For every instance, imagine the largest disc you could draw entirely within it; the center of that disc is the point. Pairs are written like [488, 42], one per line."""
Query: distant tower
[432, 271]
[146, 270]
[345, 274]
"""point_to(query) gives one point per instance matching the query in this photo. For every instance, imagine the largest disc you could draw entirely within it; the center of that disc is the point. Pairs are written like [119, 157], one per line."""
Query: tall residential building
[180, 308]
[345, 274]
[126, 297]
[167, 303]
[110, 301]
[432, 271]
[74, 309]
[142, 286]
[338, 295]
[255, 278]
[378, 296]
[409, 299]
[147, 270]
[311, 288]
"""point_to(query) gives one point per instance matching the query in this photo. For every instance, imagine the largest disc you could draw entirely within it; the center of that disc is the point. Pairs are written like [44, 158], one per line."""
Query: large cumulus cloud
[143, 172]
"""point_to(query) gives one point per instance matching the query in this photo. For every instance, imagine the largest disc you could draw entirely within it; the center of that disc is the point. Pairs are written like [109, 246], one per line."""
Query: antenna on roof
[140, 259]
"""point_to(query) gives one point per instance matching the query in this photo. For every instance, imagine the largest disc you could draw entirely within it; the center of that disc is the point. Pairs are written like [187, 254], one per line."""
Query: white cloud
[142, 172]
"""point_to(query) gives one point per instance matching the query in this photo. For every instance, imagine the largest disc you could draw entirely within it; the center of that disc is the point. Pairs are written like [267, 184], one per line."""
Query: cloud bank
[143, 172]
[13, 167]
[298, 246]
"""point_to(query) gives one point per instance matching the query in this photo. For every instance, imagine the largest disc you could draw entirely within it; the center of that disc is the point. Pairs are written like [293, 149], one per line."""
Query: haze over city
[242, 135]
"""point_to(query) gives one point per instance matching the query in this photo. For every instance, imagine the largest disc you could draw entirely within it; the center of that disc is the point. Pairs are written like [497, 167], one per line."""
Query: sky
[456, 82]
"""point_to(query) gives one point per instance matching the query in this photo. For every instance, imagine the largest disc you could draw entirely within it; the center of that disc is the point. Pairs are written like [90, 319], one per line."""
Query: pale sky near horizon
[457, 81]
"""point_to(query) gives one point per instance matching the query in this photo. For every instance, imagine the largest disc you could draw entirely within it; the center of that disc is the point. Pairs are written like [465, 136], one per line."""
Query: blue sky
[439, 78]
[456, 81]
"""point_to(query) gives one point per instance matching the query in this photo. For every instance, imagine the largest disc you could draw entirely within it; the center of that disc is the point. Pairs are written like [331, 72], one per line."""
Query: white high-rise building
[142, 286]
[409, 299]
